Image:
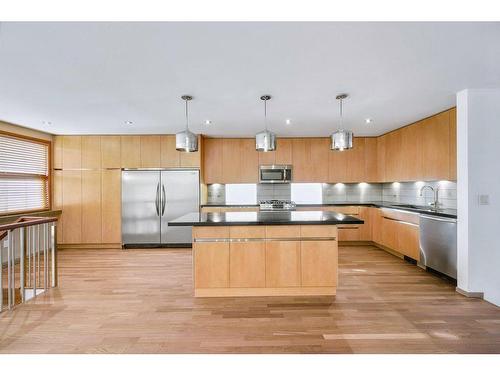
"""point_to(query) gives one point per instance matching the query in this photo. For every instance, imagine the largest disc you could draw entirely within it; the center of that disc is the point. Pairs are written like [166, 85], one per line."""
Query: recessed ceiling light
[288, 121]
[129, 123]
[208, 122]
[368, 120]
[46, 123]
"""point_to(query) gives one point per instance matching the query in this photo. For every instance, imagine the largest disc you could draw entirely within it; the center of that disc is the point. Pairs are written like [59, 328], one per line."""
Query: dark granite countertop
[265, 218]
[445, 212]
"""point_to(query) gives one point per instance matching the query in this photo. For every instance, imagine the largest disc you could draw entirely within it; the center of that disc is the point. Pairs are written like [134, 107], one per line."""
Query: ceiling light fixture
[368, 120]
[129, 123]
[186, 141]
[265, 140]
[288, 121]
[208, 122]
[341, 139]
[46, 123]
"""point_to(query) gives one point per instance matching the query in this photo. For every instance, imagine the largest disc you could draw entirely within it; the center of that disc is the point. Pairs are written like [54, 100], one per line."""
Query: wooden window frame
[49, 171]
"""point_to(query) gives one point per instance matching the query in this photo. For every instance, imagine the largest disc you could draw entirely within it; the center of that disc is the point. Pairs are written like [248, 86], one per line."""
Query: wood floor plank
[141, 301]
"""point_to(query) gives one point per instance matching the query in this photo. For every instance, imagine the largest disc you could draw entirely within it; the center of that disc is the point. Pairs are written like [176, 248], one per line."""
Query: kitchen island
[265, 253]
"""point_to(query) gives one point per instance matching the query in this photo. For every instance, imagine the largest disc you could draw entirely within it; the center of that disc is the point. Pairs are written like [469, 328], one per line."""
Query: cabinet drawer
[346, 233]
[318, 231]
[283, 231]
[210, 232]
[255, 231]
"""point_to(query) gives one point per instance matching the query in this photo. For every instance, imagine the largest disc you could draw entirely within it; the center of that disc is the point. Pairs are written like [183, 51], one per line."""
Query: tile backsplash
[402, 192]
[409, 192]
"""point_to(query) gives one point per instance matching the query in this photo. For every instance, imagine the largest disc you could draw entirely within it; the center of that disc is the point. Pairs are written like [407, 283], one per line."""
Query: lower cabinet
[408, 241]
[400, 236]
[318, 263]
[247, 264]
[211, 265]
[282, 264]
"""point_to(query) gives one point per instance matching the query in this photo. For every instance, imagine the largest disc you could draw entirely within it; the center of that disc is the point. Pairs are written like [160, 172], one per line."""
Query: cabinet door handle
[157, 206]
[163, 199]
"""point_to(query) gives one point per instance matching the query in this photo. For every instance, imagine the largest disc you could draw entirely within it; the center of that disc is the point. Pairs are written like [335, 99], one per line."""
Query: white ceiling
[89, 78]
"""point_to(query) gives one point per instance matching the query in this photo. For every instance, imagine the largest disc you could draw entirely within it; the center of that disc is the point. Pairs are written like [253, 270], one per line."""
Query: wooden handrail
[24, 221]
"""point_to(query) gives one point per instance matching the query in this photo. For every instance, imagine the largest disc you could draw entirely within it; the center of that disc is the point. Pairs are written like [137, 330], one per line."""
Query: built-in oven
[275, 174]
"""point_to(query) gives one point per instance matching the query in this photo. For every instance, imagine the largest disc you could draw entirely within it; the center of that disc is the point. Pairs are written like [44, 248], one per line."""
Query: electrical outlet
[484, 199]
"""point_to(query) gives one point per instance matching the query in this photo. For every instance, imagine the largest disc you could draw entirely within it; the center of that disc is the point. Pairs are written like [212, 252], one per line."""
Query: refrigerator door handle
[157, 206]
[164, 199]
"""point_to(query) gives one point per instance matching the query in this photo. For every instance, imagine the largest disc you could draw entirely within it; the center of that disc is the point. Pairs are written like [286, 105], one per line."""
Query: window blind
[24, 175]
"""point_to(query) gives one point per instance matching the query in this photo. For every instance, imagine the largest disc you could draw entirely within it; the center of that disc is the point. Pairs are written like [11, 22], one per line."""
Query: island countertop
[265, 218]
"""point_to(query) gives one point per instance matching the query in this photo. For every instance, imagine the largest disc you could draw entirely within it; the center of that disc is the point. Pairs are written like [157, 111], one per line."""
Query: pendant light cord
[265, 113]
[341, 114]
[187, 115]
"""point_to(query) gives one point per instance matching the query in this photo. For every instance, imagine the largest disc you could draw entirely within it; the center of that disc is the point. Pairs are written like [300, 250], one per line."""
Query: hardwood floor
[140, 301]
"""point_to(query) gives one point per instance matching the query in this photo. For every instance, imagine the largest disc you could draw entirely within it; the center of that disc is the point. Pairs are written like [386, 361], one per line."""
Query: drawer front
[256, 231]
[210, 232]
[283, 231]
[318, 231]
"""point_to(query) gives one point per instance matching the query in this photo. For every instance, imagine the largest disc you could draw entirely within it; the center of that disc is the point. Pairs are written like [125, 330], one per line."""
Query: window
[24, 175]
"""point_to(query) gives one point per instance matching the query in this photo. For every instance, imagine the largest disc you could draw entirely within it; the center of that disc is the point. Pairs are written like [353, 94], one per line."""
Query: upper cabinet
[310, 159]
[282, 155]
[436, 147]
[453, 143]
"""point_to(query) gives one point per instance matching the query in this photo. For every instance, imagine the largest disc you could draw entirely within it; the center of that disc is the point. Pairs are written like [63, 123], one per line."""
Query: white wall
[478, 132]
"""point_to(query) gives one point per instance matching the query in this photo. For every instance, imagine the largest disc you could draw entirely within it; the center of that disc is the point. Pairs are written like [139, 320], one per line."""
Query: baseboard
[470, 294]
[265, 292]
[89, 246]
[356, 243]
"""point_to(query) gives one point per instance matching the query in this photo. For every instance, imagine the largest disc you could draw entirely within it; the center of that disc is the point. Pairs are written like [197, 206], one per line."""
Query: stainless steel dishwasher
[438, 244]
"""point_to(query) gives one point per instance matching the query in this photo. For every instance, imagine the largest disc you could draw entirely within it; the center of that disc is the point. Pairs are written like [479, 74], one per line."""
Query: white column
[478, 201]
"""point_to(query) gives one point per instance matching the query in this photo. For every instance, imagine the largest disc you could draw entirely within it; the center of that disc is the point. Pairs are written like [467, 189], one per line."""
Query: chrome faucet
[434, 204]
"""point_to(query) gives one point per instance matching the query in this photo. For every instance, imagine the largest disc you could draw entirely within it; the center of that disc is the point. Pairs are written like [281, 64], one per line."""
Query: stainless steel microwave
[275, 174]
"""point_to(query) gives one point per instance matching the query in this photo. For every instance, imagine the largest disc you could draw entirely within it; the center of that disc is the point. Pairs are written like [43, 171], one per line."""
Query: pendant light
[341, 139]
[265, 140]
[186, 141]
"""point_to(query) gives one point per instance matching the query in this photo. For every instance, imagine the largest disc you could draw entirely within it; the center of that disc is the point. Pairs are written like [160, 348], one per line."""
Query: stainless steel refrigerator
[150, 199]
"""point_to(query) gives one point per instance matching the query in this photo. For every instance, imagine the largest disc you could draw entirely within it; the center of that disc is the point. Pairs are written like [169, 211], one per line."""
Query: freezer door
[180, 194]
[141, 207]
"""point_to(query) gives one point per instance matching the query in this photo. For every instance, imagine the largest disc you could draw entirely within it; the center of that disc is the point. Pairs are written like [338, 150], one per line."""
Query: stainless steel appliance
[151, 198]
[438, 244]
[275, 174]
[277, 205]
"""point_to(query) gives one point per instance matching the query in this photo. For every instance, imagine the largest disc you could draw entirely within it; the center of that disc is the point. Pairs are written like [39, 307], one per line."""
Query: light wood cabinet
[408, 241]
[72, 206]
[57, 152]
[436, 147]
[282, 155]
[249, 162]
[453, 144]
[371, 166]
[212, 166]
[211, 265]
[318, 263]
[390, 233]
[91, 207]
[247, 264]
[131, 151]
[169, 156]
[393, 156]
[376, 224]
[150, 151]
[310, 159]
[110, 151]
[111, 206]
[411, 153]
[381, 146]
[231, 160]
[72, 152]
[57, 200]
[356, 161]
[91, 152]
[283, 264]
[337, 166]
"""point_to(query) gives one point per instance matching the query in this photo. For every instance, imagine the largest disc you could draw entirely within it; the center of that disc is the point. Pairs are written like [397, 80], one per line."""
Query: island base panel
[265, 292]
